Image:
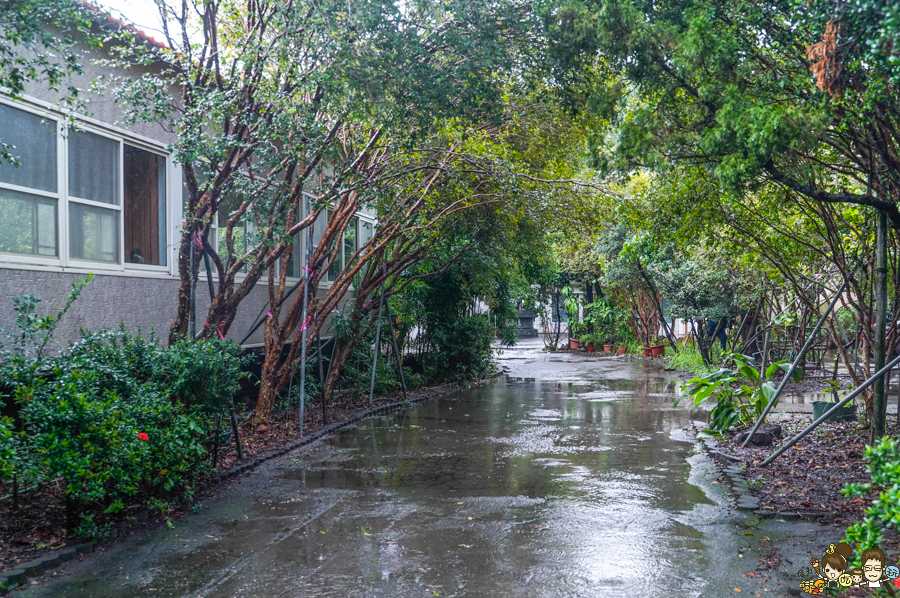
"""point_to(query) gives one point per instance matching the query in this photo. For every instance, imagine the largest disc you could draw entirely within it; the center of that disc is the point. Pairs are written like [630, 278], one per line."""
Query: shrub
[883, 463]
[108, 448]
[461, 347]
[116, 417]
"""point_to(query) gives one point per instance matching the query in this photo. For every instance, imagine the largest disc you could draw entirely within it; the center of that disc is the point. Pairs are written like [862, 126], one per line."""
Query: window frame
[64, 260]
[171, 265]
[118, 265]
[361, 217]
[59, 196]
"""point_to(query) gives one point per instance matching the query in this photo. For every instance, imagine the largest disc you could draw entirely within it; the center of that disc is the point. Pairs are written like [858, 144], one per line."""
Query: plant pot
[591, 348]
[609, 348]
[574, 343]
[623, 350]
[842, 414]
[658, 350]
[647, 352]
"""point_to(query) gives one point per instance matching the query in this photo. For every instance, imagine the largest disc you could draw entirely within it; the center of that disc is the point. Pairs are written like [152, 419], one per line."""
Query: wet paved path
[565, 478]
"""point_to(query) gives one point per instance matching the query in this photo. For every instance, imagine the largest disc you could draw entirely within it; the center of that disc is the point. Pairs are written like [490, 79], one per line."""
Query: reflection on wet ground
[582, 484]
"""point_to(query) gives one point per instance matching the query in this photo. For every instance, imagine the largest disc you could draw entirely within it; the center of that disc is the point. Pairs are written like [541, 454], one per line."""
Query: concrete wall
[100, 106]
[110, 299]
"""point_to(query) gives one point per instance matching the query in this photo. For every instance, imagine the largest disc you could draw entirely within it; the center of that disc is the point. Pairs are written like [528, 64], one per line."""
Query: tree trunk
[341, 354]
[268, 387]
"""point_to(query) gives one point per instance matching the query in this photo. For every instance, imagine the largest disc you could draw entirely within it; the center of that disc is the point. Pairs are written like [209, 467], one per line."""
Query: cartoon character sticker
[834, 564]
[832, 571]
[873, 567]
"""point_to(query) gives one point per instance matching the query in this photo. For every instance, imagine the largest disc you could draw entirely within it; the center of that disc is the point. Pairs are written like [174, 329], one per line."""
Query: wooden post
[236, 432]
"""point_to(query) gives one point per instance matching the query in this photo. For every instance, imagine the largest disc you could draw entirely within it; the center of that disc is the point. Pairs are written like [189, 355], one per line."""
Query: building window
[243, 235]
[351, 240]
[348, 249]
[145, 207]
[293, 265]
[366, 232]
[28, 191]
[93, 185]
[93, 233]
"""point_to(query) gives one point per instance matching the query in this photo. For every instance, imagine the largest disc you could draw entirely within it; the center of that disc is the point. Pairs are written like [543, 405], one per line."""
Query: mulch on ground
[808, 477]
[35, 526]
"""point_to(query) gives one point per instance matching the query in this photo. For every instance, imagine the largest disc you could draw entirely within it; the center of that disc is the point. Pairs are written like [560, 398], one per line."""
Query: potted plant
[576, 330]
[608, 348]
[623, 349]
[845, 413]
[646, 351]
[658, 348]
[589, 341]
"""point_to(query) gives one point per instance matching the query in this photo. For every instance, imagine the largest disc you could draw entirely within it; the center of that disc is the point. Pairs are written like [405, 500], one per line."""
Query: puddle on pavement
[519, 488]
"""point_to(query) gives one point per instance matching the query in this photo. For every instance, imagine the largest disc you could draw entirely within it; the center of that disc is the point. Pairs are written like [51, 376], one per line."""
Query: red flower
[143, 436]
[897, 582]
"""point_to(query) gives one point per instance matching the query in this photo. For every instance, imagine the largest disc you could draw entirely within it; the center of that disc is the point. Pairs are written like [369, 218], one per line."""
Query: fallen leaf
[466, 545]
[366, 534]
[737, 589]
[749, 534]
[459, 503]
[471, 518]
[321, 532]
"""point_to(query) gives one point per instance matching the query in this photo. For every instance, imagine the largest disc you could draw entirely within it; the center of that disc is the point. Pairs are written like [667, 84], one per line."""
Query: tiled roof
[105, 19]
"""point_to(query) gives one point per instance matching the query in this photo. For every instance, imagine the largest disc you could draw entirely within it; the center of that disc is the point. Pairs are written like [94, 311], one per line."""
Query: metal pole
[192, 320]
[879, 402]
[801, 355]
[855, 393]
[209, 282]
[234, 429]
[321, 374]
[396, 352]
[762, 369]
[377, 342]
[304, 326]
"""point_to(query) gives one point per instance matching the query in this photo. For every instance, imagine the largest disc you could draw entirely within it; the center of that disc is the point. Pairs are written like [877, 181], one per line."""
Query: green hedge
[116, 419]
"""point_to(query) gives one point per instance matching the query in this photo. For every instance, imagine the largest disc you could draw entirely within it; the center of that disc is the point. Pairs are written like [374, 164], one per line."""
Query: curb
[16, 577]
[331, 429]
[739, 485]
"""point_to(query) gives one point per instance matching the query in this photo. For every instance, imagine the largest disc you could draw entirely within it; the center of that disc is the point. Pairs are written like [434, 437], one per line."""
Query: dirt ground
[808, 478]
